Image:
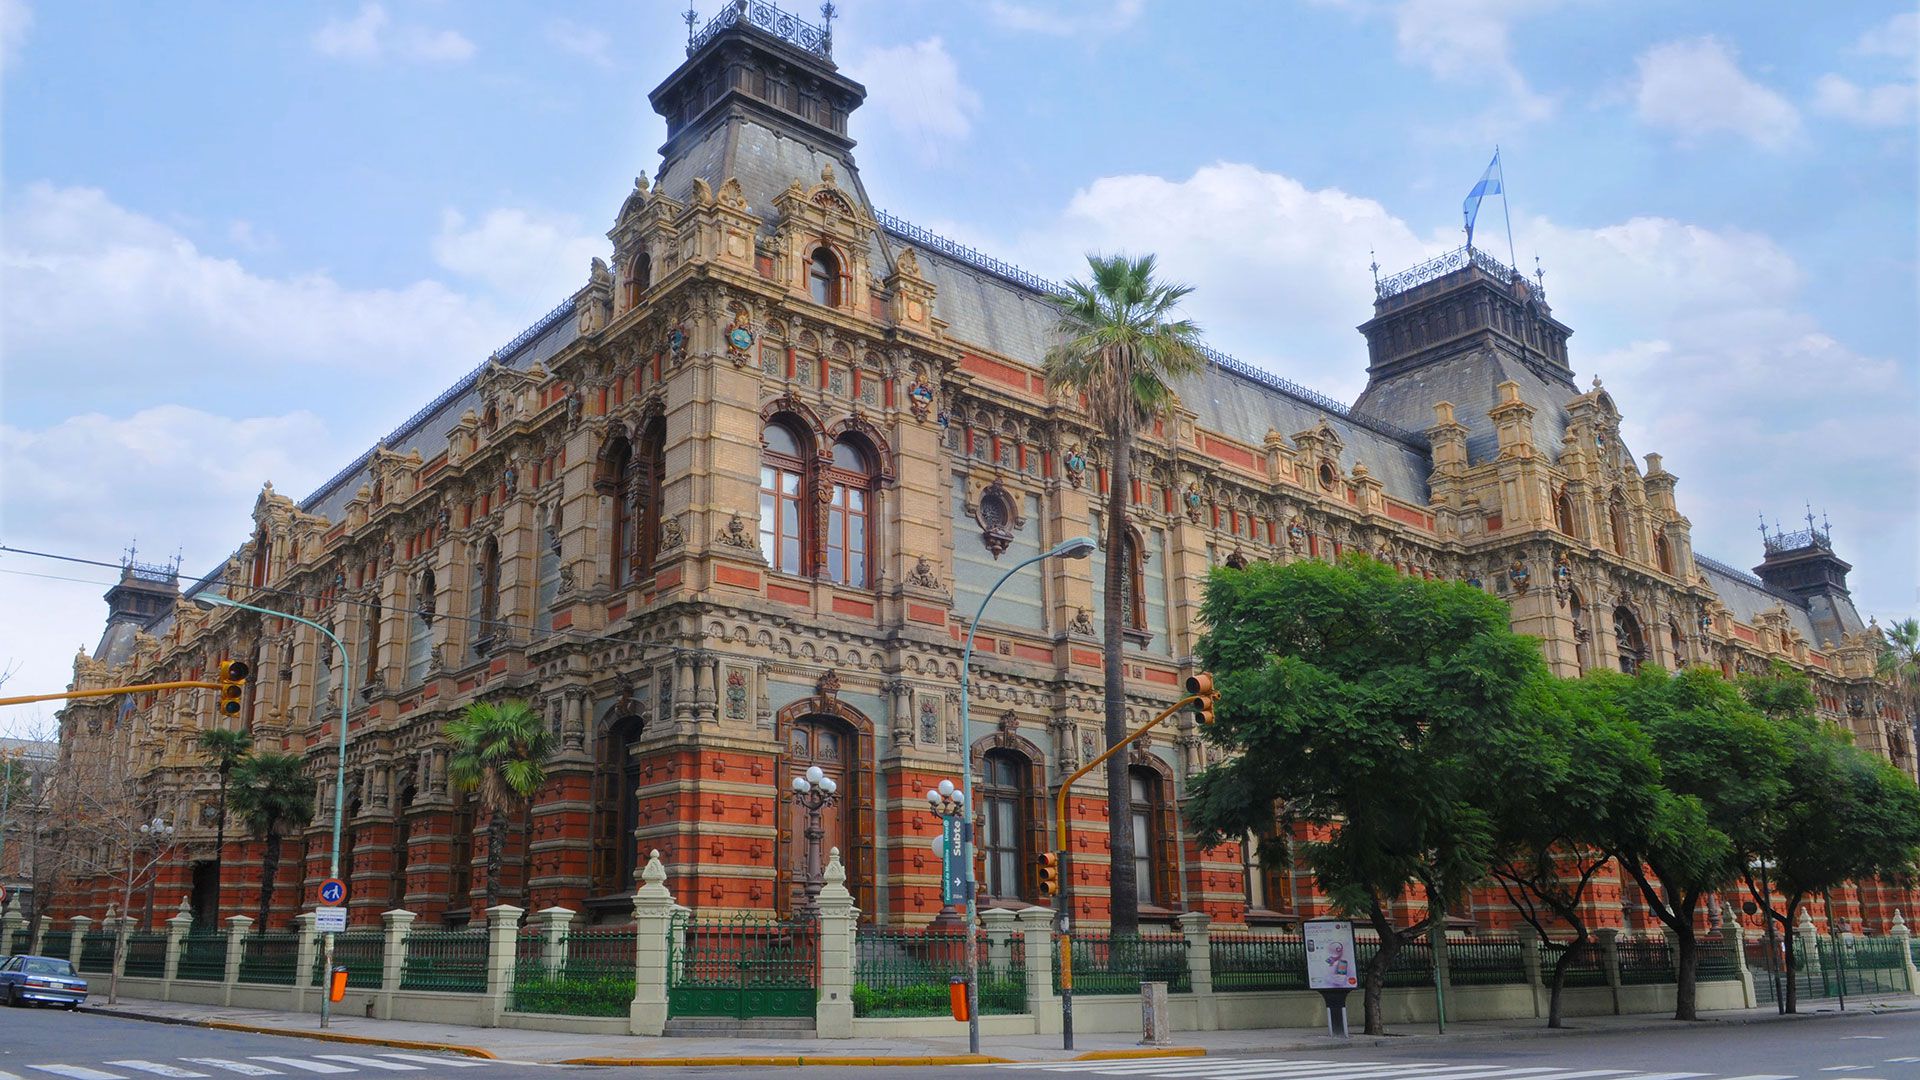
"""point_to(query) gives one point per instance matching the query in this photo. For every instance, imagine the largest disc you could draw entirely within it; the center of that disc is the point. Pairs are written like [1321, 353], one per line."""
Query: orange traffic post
[338, 988]
[957, 998]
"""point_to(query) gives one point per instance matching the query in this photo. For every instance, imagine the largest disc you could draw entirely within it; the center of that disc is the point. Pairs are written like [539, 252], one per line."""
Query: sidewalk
[550, 1047]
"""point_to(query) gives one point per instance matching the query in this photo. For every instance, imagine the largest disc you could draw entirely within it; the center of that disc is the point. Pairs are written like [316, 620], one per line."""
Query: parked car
[45, 980]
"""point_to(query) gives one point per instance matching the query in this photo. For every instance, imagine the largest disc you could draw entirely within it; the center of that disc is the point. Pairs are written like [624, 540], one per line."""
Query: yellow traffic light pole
[1200, 693]
[111, 691]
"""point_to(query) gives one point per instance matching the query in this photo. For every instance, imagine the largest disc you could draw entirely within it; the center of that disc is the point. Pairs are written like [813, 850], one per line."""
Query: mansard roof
[1471, 382]
[1747, 597]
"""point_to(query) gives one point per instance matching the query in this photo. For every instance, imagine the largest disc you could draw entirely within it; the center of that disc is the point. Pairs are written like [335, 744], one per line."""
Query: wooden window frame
[843, 482]
[782, 464]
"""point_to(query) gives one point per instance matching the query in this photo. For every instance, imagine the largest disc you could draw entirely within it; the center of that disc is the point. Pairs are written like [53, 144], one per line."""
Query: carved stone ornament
[677, 343]
[567, 581]
[671, 537]
[922, 574]
[740, 339]
[998, 513]
[1562, 579]
[829, 684]
[1296, 535]
[1193, 501]
[736, 535]
[1009, 722]
[1075, 464]
[920, 399]
[1519, 575]
[1082, 624]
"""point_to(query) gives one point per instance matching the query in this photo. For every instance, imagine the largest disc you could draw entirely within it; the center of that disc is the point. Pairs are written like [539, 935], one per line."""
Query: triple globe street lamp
[813, 791]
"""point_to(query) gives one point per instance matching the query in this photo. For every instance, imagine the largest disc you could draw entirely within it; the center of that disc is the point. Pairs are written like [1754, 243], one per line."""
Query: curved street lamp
[1077, 548]
[813, 791]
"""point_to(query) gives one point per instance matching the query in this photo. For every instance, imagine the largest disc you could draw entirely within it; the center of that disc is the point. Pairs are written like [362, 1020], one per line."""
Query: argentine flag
[1489, 185]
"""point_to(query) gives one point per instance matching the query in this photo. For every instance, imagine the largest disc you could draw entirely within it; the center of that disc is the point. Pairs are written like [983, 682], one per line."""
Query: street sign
[3, 896]
[1331, 964]
[333, 892]
[953, 863]
[330, 920]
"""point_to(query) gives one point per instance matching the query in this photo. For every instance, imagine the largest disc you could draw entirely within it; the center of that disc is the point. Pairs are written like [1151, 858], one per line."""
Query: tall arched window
[1678, 643]
[420, 628]
[370, 663]
[1133, 599]
[784, 508]
[1578, 612]
[1563, 512]
[650, 465]
[639, 278]
[322, 673]
[1662, 553]
[260, 556]
[548, 569]
[1147, 800]
[1003, 805]
[1627, 636]
[618, 479]
[1617, 518]
[402, 845]
[823, 277]
[486, 591]
[849, 514]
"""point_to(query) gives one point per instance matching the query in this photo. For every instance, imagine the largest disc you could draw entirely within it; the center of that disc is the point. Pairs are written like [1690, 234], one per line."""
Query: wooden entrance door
[831, 745]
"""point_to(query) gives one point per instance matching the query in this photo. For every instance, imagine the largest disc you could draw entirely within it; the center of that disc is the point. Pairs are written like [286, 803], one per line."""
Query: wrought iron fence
[591, 975]
[1587, 968]
[1411, 966]
[270, 958]
[1645, 960]
[203, 957]
[1254, 961]
[361, 952]
[450, 961]
[1872, 965]
[96, 954]
[907, 972]
[740, 966]
[56, 943]
[1487, 961]
[1106, 964]
[1715, 962]
[1765, 969]
[146, 956]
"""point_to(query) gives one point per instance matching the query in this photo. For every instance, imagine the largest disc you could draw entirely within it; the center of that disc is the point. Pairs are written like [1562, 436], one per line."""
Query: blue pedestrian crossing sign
[333, 891]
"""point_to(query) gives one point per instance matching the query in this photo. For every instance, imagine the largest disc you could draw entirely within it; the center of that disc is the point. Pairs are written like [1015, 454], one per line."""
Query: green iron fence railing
[1487, 961]
[361, 952]
[1104, 964]
[1587, 968]
[1874, 965]
[203, 957]
[450, 961]
[1765, 969]
[900, 971]
[57, 943]
[269, 958]
[742, 966]
[1411, 966]
[1645, 960]
[146, 956]
[1256, 961]
[96, 954]
[1715, 962]
[593, 975]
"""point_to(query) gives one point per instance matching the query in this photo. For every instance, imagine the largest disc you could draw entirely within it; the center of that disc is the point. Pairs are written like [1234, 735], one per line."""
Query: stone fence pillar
[833, 1015]
[1530, 960]
[178, 928]
[1036, 932]
[1806, 946]
[554, 924]
[306, 951]
[1904, 938]
[503, 928]
[1734, 936]
[652, 927]
[998, 925]
[1193, 927]
[81, 925]
[1610, 959]
[10, 927]
[238, 926]
[396, 925]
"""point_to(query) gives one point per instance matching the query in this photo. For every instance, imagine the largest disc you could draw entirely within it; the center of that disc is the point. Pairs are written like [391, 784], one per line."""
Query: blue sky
[242, 241]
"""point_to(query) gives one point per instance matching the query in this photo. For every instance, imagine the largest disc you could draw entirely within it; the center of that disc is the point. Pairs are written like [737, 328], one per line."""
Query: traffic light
[1200, 685]
[1049, 873]
[233, 684]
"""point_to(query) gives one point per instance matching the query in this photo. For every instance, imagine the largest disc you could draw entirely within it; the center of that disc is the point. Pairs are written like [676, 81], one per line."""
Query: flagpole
[1506, 204]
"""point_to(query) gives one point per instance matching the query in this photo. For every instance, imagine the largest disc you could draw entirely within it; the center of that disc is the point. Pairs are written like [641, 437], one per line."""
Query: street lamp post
[156, 832]
[949, 804]
[812, 792]
[340, 763]
[1077, 548]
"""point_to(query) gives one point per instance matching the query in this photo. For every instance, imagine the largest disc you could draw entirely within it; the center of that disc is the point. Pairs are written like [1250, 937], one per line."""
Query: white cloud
[16, 18]
[93, 290]
[1068, 19]
[1890, 105]
[1469, 41]
[519, 253]
[1695, 88]
[584, 41]
[1898, 37]
[918, 90]
[372, 35]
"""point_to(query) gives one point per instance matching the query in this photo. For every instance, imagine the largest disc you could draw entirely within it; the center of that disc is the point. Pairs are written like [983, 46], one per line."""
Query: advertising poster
[1330, 960]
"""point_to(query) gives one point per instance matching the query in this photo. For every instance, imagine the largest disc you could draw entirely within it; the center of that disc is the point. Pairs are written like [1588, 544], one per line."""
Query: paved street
[37, 1044]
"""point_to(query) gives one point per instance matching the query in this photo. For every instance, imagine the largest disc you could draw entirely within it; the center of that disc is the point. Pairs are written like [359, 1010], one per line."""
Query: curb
[1142, 1052]
[322, 1036]
[784, 1060]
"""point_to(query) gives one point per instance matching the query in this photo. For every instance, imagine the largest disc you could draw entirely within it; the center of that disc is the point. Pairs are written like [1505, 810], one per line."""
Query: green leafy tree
[1376, 708]
[500, 752]
[1842, 814]
[1122, 348]
[1582, 776]
[1899, 664]
[1721, 764]
[226, 748]
[272, 793]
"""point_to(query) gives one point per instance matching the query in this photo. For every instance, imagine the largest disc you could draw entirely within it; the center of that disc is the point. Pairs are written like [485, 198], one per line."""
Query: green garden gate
[742, 966]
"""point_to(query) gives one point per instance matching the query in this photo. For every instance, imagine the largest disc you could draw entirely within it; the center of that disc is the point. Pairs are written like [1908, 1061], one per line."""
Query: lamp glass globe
[800, 784]
[814, 775]
[933, 797]
[829, 785]
[946, 788]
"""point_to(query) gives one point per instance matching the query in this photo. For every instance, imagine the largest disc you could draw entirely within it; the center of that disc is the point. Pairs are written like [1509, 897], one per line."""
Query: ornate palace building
[723, 515]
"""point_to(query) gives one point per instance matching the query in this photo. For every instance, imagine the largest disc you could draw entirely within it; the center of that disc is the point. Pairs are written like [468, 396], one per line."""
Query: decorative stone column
[999, 924]
[238, 927]
[503, 926]
[1036, 931]
[1807, 946]
[1193, 926]
[178, 928]
[554, 924]
[397, 925]
[1733, 936]
[306, 948]
[1903, 937]
[81, 924]
[1530, 960]
[10, 928]
[652, 925]
[1610, 959]
[833, 1015]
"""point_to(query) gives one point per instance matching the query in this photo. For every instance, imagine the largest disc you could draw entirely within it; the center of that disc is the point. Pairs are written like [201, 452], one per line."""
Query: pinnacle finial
[835, 873]
[1899, 921]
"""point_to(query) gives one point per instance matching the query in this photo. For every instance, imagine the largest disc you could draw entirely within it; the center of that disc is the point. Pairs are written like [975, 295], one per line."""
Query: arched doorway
[616, 805]
[1627, 636]
[822, 731]
[827, 743]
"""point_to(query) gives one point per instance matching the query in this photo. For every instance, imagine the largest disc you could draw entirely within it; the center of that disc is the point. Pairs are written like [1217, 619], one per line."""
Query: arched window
[1147, 806]
[849, 514]
[639, 278]
[402, 845]
[260, 557]
[486, 591]
[1563, 512]
[618, 478]
[616, 810]
[1662, 553]
[823, 277]
[548, 569]
[460, 869]
[1617, 517]
[1133, 600]
[420, 628]
[1678, 642]
[1003, 806]
[370, 663]
[1627, 636]
[322, 673]
[650, 466]
[1577, 611]
[784, 507]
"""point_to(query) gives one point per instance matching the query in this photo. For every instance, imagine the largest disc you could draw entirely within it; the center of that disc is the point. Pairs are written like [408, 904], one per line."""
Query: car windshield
[38, 966]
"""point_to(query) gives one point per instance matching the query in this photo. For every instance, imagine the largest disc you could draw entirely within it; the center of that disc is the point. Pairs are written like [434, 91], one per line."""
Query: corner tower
[1453, 329]
[1803, 564]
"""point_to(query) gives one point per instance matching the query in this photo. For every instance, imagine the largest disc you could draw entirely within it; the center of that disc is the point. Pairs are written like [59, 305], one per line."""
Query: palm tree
[1899, 663]
[500, 752]
[271, 794]
[226, 748]
[1122, 348]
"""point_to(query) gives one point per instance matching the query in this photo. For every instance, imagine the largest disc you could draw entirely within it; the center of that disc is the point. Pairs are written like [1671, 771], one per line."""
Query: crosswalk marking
[1663, 1076]
[154, 1067]
[1905, 1060]
[369, 1063]
[1751, 1076]
[77, 1072]
[240, 1067]
[301, 1063]
[1843, 1068]
[445, 1062]
[1281, 1072]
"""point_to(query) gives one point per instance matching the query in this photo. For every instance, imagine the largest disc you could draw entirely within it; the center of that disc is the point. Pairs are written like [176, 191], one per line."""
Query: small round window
[1326, 475]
